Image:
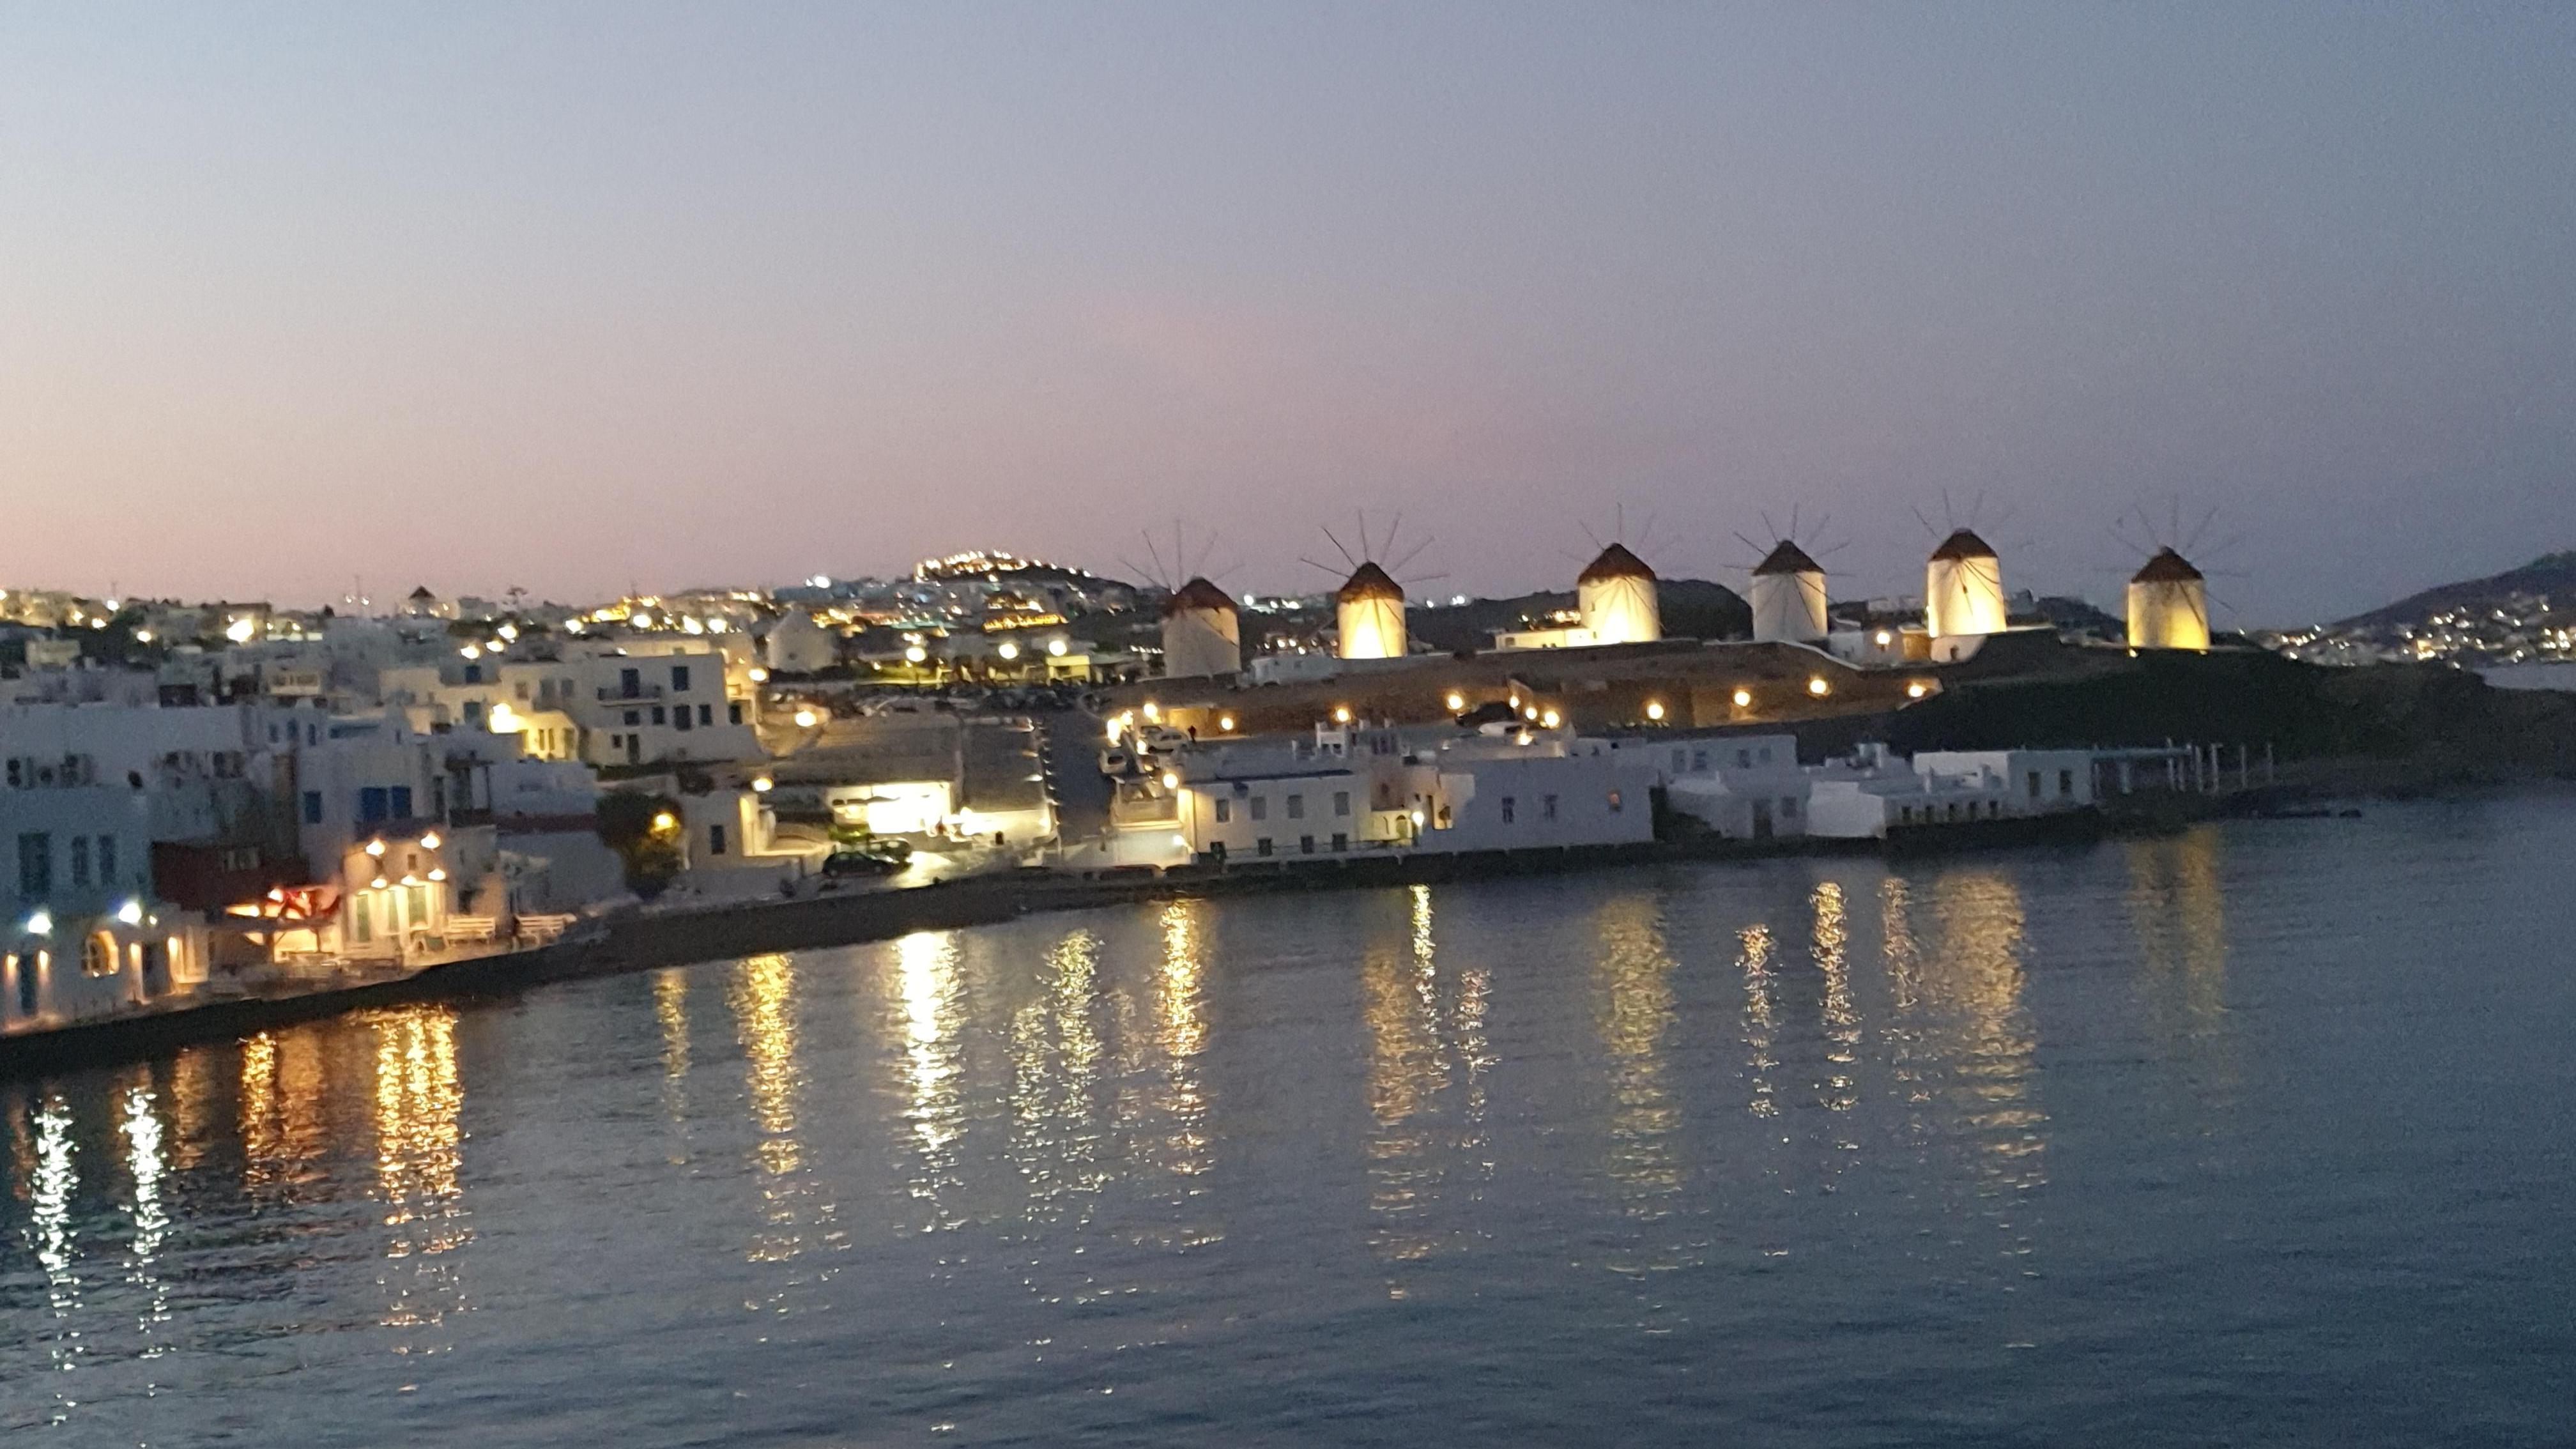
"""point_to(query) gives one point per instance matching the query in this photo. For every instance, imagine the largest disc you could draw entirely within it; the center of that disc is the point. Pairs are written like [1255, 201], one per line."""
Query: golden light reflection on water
[1831, 937]
[1632, 1010]
[419, 1162]
[1057, 1057]
[1761, 1018]
[930, 995]
[762, 994]
[2177, 907]
[1975, 983]
[146, 1164]
[1419, 1046]
[1181, 1015]
[55, 1178]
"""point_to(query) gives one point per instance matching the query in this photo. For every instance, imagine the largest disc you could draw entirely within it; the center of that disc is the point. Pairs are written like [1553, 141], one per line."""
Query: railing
[612, 694]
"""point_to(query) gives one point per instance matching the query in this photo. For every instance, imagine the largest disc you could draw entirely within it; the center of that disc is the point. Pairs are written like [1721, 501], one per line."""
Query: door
[634, 748]
[1762, 820]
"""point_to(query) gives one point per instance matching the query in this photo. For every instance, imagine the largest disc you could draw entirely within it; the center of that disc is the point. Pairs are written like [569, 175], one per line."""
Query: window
[361, 913]
[80, 860]
[679, 679]
[630, 683]
[707, 715]
[1261, 846]
[1260, 807]
[371, 804]
[1297, 807]
[733, 712]
[680, 717]
[1788, 807]
[25, 970]
[1305, 845]
[1341, 841]
[2034, 784]
[1681, 761]
[661, 715]
[1952, 810]
[715, 840]
[474, 711]
[107, 860]
[1765, 755]
[400, 797]
[1744, 759]
[474, 674]
[1699, 759]
[35, 865]
[1224, 810]
[98, 954]
[1547, 807]
[17, 773]
[1341, 802]
[1508, 804]
[312, 807]
[1616, 805]
[2066, 784]
[635, 716]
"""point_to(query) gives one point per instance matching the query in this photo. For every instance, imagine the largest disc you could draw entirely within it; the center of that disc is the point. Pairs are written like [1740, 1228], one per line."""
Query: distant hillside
[2551, 574]
[1691, 609]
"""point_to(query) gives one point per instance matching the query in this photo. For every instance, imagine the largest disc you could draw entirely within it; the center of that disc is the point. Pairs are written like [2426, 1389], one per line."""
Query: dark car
[843, 864]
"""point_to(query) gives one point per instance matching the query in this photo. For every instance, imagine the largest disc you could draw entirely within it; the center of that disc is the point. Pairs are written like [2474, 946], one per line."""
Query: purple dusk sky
[584, 297]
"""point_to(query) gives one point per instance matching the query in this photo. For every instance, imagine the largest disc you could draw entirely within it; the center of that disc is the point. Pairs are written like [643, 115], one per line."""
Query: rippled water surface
[2258, 1133]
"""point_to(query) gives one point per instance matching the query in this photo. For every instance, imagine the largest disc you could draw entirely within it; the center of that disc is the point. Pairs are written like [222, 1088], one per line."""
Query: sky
[584, 298]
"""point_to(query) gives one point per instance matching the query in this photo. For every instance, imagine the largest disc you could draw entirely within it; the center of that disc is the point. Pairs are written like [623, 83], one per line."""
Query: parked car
[849, 864]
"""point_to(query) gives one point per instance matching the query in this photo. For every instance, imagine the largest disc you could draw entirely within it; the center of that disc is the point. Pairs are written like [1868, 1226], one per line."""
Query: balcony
[619, 695]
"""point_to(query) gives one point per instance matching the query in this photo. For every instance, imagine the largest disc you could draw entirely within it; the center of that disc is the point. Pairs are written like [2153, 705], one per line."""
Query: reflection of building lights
[1743, 697]
[1654, 709]
[1818, 687]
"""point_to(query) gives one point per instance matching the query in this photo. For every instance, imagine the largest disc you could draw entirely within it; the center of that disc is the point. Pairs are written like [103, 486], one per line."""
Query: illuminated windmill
[1369, 606]
[1202, 630]
[2168, 598]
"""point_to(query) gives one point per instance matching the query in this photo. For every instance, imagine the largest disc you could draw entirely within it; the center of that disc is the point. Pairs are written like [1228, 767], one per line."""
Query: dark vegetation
[2448, 722]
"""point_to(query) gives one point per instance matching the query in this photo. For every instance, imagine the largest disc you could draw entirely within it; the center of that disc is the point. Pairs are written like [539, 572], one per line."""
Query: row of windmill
[1616, 603]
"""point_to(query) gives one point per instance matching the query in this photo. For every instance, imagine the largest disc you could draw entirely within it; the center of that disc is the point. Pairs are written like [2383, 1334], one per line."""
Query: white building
[1742, 787]
[82, 934]
[1355, 791]
[798, 645]
[1873, 793]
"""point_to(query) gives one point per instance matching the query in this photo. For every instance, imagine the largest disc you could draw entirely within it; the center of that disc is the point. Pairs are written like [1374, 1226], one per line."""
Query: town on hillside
[227, 800]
